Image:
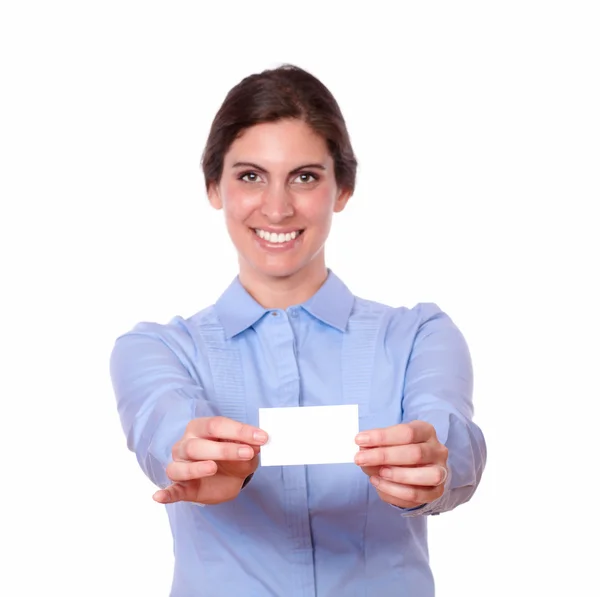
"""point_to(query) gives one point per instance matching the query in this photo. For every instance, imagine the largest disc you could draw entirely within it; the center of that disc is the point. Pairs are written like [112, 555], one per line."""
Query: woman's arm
[156, 396]
[439, 390]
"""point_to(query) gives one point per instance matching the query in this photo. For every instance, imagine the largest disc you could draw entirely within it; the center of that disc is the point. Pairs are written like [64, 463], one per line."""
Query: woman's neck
[283, 292]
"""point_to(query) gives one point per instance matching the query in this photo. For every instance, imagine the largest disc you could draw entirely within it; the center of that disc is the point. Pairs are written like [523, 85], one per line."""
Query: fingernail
[260, 436]
[245, 452]
[362, 438]
[360, 458]
[386, 473]
[375, 481]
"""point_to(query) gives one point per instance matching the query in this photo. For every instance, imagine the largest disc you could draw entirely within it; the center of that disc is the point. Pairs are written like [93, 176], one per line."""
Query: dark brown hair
[275, 94]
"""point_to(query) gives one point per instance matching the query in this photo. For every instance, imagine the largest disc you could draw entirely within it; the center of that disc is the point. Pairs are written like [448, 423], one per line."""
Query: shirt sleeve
[157, 395]
[439, 389]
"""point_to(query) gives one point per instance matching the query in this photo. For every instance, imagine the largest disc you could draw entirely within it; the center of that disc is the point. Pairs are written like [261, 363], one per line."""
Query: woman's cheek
[319, 205]
[240, 206]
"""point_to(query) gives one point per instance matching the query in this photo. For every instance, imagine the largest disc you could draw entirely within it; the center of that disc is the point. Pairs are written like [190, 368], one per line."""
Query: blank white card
[309, 434]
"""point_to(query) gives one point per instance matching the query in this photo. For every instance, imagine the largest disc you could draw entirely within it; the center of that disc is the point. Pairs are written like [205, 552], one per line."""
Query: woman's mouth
[277, 239]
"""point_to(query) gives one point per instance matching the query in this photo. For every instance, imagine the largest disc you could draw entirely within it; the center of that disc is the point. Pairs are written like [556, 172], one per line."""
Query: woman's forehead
[278, 144]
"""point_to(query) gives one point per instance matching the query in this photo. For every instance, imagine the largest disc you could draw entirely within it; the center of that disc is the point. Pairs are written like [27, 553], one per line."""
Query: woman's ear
[214, 196]
[342, 199]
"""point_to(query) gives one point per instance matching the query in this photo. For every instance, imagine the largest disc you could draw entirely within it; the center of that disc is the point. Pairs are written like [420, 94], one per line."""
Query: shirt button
[274, 313]
[294, 312]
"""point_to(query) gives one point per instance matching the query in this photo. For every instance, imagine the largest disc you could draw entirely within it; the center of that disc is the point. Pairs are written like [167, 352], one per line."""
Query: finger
[429, 476]
[173, 493]
[404, 433]
[413, 454]
[204, 449]
[186, 471]
[407, 493]
[227, 429]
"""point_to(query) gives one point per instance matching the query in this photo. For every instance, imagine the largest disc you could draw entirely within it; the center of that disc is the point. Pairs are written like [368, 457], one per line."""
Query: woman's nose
[277, 204]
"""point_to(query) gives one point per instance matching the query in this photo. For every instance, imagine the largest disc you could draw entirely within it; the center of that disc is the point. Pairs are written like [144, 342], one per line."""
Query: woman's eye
[305, 177]
[249, 177]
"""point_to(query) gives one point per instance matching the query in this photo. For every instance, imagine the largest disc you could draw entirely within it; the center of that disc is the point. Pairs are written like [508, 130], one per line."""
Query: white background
[477, 129]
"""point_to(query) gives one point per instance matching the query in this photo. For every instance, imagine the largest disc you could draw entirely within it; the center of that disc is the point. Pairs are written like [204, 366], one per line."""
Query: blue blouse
[300, 531]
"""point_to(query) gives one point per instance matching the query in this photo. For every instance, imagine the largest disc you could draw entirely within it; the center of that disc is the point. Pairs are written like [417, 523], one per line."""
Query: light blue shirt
[300, 531]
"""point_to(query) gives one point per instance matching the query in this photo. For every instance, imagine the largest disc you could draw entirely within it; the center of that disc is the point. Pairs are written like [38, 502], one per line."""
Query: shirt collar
[331, 304]
[237, 310]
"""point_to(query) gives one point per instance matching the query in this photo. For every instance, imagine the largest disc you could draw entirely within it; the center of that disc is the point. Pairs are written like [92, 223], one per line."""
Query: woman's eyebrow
[307, 166]
[248, 165]
[261, 169]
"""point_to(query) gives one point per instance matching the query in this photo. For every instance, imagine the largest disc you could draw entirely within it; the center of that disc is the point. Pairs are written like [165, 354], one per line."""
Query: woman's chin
[279, 271]
[277, 268]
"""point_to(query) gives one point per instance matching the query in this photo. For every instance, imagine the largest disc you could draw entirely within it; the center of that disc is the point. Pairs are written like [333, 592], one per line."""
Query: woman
[287, 332]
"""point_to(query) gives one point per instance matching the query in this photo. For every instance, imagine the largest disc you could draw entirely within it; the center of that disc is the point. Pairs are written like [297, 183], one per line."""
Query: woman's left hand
[406, 463]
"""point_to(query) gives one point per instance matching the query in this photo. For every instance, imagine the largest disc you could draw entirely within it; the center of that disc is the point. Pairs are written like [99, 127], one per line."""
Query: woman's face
[278, 192]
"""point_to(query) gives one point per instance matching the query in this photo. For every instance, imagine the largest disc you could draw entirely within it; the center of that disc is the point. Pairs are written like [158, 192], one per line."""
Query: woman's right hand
[211, 461]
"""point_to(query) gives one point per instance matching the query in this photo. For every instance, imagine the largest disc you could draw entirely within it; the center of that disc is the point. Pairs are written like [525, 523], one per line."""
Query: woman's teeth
[274, 237]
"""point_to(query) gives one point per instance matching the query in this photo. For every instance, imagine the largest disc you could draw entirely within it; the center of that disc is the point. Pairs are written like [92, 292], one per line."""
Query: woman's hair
[286, 92]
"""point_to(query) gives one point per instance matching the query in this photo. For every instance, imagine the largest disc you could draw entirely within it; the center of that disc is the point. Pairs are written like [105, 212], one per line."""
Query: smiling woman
[278, 211]
[278, 162]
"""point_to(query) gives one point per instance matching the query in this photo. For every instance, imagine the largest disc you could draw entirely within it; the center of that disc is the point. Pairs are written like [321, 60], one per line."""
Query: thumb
[178, 492]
